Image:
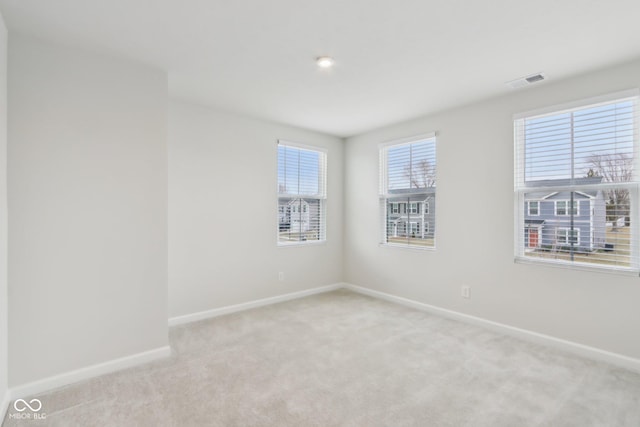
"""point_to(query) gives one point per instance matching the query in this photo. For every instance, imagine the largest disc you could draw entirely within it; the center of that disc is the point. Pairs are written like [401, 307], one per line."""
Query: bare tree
[616, 167]
[612, 167]
[421, 175]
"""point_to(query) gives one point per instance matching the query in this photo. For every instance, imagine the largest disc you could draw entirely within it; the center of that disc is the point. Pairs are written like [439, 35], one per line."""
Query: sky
[399, 157]
[299, 171]
[551, 141]
[600, 130]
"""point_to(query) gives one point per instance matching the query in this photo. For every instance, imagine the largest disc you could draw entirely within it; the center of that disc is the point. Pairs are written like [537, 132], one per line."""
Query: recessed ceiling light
[324, 61]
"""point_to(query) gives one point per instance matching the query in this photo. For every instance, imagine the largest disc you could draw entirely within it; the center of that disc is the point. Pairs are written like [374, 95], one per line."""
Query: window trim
[566, 207]
[520, 189]
[384, 196]
[567, 236]
[566, 106]
[529, 208]
[322, 196]
[414, 227]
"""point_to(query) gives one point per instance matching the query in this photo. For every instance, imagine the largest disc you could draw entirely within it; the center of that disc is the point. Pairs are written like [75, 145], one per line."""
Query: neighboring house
[552, 221]
[284, 217]
[298, 216]
[411, 215]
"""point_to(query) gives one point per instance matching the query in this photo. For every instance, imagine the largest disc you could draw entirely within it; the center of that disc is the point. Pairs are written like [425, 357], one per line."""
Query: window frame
[633, 186]
[567, 236]
[404, 207]
[567, 210]
[321, 196]
[537, 202]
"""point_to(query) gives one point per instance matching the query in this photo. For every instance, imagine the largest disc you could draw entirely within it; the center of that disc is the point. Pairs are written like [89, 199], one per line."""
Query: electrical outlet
[281, 276]
[466, 292]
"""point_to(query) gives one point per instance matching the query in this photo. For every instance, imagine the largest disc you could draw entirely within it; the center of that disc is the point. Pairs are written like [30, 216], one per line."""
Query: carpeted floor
[343, 359]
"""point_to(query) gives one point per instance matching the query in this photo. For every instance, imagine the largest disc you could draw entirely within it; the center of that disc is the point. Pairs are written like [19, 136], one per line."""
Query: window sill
[624, 271]
[302, 243]
[408, 247]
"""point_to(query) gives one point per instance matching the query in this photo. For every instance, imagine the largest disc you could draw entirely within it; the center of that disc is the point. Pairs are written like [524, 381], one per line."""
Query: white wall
[3, 219]
[88, 209]
[223, 212]
[475, 227]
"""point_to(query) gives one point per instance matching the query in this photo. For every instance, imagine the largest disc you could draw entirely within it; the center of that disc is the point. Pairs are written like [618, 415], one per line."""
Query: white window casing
[562, 208]
[576, 180]
[408, 180]
[565, 236]
[302, 194]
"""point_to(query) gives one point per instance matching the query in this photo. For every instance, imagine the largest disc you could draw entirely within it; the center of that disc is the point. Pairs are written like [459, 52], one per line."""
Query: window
[562, 208]
[576, 171]
[567, 236]
[408, 180]
[415, 228]
[301, 194]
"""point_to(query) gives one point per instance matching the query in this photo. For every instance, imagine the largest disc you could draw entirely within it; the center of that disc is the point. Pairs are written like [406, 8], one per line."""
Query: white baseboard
[547, 340]
[67, 378]
[194, 317]
[56, 381]
[4, 405]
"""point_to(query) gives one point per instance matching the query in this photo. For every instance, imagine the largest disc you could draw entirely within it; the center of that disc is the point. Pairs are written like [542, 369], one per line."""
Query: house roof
[566, 195]
[564, 182]
[297, 200]
[534, 221]
[414, 217]
[425, 190]
[563, 195]
[401, 195]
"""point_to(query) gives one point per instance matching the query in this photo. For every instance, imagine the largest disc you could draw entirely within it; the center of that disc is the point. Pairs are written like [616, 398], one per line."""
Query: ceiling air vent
[526, 81]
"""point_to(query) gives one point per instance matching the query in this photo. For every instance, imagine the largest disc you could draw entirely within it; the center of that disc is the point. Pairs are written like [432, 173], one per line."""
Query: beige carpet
[342, 359]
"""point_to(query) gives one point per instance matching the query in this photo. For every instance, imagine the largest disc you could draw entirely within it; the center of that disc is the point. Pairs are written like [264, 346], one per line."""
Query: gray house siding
[297, 215]
[600, 221]
[411, 215]
[554, 228]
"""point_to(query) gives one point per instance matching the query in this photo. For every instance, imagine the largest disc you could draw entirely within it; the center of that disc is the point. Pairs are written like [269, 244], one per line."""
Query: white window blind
[301, 194]
[576, 184]
[408, 192]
